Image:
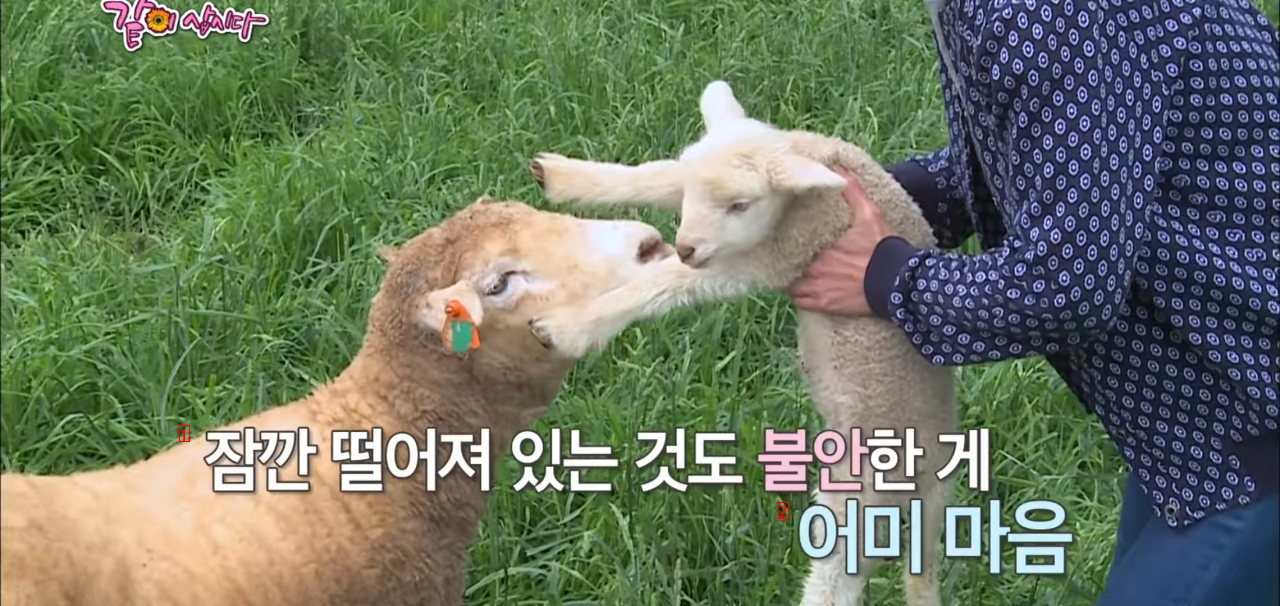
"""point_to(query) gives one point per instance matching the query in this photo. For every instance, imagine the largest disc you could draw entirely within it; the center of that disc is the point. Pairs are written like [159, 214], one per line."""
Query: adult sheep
[153, 533]
[757, 204]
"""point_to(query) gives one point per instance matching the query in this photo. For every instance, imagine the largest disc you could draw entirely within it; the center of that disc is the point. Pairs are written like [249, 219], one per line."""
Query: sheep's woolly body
[154, 533]
[862, 372]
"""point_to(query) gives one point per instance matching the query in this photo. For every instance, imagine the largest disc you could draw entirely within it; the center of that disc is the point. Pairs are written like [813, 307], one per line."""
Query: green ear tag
[460, 335]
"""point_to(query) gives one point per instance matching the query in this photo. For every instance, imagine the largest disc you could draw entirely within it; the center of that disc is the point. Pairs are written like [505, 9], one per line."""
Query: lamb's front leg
[578, 330]
[656, 183]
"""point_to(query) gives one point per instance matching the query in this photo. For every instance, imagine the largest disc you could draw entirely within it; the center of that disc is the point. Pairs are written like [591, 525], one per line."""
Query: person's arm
[933, 182]
[1081, 128]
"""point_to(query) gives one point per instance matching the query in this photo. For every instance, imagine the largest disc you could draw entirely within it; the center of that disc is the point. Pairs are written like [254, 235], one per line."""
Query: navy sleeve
[1074, 132]
[934, 183]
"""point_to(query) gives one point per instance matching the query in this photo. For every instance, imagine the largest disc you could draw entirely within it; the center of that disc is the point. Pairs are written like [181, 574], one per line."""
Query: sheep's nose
[685, 251]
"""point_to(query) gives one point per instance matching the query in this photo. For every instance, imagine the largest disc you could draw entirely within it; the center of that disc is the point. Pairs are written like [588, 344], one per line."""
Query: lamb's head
[505, 263]
[739, 179]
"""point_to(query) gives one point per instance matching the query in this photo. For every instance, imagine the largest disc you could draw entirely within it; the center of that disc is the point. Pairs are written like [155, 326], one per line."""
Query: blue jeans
[1230, 558]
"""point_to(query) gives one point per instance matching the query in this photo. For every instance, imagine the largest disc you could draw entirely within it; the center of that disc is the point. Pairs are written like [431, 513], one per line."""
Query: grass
[188, 237]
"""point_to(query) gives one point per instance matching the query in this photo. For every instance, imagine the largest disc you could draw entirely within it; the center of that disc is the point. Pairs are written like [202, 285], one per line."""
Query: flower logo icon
[158, 20]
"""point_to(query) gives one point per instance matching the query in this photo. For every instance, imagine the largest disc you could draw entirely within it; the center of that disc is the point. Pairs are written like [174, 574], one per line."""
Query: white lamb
[757, 204]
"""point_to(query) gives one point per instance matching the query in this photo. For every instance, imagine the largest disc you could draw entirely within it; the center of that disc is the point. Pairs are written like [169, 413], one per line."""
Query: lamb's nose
[685, 251]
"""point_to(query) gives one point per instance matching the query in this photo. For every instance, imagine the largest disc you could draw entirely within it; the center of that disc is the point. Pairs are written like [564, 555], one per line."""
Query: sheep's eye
[736, 208]
[499, 285]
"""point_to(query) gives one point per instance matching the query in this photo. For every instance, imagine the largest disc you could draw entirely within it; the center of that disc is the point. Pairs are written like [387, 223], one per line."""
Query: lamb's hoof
[539, 175]
[543, 163]
[541, 334]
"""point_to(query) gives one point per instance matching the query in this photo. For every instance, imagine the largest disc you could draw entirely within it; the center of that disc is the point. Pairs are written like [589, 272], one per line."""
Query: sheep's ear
[388, 253]
[485, 199]
[718, 106]
[798, 174]
[462, 292]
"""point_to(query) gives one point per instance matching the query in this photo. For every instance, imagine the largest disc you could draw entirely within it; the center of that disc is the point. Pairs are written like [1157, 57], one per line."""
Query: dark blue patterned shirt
[1119, 162]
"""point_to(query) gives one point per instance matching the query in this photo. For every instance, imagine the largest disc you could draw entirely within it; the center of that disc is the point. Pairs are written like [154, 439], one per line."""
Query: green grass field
[189, 230]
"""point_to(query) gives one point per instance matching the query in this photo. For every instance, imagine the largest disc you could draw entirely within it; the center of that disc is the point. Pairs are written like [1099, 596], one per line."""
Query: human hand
[834, 282]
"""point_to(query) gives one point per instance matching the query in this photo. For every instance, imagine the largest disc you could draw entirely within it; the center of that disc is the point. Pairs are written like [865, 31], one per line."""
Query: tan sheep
[757, 204]
[153, 533]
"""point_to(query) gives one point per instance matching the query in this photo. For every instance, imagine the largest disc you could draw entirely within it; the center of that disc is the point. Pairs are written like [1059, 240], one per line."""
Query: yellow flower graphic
[158, 20]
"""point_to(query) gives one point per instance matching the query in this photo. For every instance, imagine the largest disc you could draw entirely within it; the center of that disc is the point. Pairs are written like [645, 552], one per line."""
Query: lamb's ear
[797, 174]
[463, 292]
[718, 106]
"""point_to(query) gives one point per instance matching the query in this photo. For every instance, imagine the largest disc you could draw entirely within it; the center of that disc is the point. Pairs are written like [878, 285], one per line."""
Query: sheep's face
[738, 181]
[729, 206]
[508, 263]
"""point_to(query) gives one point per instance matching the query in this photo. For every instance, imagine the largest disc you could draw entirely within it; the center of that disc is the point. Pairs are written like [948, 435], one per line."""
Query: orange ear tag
[459, 332]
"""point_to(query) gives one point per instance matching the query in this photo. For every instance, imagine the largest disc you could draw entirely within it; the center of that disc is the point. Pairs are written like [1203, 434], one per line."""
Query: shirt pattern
[1119, 162]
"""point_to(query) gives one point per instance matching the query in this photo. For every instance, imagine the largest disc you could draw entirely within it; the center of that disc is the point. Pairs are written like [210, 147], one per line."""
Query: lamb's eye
[737, 207]
[499, 285]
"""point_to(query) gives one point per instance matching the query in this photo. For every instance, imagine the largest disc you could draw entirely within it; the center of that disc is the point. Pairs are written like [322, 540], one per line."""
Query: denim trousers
[1230, 558]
